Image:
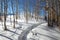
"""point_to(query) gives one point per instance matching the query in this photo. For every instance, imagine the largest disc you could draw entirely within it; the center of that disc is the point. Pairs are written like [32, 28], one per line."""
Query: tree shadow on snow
[5, 36]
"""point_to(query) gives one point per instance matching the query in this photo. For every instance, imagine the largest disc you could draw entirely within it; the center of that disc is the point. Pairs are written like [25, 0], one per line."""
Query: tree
[37, 10]
[26, 9]
[1, 10]
[58, 23]
[12, 5]
[16, 9]
[5, 13]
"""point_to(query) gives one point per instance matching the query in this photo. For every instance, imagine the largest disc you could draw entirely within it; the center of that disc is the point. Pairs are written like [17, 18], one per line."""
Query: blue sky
[31, 3]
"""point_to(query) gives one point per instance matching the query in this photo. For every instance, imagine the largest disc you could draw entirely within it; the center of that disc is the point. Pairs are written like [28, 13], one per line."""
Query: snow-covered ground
[20, 26]
[33, 30]
[43, 32]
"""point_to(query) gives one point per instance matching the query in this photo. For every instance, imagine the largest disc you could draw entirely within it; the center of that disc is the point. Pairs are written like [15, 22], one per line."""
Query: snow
[43, 32]
[13, 33]
[38, 30]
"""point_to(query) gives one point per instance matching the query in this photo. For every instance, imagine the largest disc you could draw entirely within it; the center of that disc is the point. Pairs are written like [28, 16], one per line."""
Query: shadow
[32, 38]
[57, 31]
[19, 28]
[24, 23]
[5, 37]
[49, 28]
[9, 21]
[46, 36]
[25, 32]
[53, 28]
[13, 31]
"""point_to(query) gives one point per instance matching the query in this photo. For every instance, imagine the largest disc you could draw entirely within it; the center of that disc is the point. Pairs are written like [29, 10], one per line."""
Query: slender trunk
[26, 10]
[5, 14]
[16, 10]
[13, 14]
[37, 10]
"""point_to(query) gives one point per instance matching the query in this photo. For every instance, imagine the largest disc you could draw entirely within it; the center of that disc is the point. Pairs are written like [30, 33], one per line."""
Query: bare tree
[53, 9]
[1, 10]
[5, 13]
[46, 8]
[37, 9]
[16, 10]
[58, 17]
[13, 13]
[26, 9]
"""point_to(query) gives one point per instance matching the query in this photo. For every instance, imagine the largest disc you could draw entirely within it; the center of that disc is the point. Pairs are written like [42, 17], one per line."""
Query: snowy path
[43, 32]
[21, 28]
[13, 33]
[23, 35]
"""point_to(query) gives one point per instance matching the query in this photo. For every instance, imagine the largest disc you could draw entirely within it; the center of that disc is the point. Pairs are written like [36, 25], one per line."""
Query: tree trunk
[5, 14]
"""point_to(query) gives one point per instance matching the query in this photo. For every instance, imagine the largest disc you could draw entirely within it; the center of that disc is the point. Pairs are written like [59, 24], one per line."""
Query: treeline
[53, 9]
